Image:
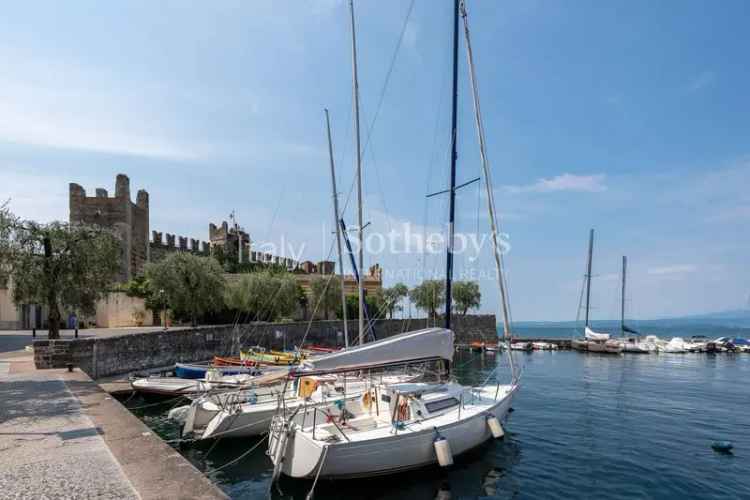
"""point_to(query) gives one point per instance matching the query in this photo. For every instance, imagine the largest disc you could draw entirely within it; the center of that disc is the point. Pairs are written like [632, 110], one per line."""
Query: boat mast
[452, 190]
[360, 223]
[588, 275]
[338, 229]
[622, 304]
[490, 193]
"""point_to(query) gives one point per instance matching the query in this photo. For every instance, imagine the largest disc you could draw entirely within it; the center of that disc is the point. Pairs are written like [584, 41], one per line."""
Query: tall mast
[360, 223]
[452, 190]
[622, 304]
[588, 275]
[490, 193]
[336, 217]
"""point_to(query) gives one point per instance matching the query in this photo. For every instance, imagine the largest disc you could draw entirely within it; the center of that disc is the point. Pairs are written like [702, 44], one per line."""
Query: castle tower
[129, 220]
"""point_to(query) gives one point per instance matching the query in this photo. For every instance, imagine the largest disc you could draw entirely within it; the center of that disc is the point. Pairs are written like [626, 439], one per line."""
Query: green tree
[57, 264]
[265, 295]
[466, 295]
[429, 296]
[326, 294]
[375, 306]
[142, 287]
[393, 296]
[192, 285]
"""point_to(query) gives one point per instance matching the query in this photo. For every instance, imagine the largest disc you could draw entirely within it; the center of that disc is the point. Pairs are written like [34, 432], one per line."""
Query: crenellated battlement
[161, 247]
[129, 220]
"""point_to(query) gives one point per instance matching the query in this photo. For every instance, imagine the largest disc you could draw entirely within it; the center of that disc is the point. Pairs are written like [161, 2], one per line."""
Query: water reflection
[584, 425]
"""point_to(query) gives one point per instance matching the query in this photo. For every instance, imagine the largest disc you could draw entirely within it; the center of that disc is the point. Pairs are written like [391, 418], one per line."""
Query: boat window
[441, 404]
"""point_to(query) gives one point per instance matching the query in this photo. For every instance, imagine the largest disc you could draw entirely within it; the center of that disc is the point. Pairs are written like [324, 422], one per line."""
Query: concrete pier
[62, 436]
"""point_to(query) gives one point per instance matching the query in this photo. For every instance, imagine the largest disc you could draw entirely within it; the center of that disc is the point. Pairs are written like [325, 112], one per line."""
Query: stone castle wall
[129, 220]
[162, 245]
[102, 357]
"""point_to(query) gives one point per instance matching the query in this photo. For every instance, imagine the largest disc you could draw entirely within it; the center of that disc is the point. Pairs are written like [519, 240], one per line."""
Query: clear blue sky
[630, 117]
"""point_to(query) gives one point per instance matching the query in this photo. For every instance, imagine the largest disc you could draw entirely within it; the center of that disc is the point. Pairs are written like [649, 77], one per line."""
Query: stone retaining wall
[106, 356]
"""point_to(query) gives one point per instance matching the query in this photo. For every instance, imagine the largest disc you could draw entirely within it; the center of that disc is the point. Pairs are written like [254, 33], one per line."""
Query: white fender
[495, 428]
[443, 452]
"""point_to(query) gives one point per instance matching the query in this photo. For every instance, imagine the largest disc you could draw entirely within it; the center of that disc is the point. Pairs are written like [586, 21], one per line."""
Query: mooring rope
[317, 475]
[263, 437]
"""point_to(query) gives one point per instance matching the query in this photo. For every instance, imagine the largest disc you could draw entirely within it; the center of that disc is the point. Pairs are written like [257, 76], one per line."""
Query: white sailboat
[175, 386]
[390, 428]
[594, 341]
[630, 344]
[402, 426]
[247, 413]
[675, 346]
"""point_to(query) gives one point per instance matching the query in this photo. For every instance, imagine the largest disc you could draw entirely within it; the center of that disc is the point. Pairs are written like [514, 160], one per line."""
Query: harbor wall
[114, 355]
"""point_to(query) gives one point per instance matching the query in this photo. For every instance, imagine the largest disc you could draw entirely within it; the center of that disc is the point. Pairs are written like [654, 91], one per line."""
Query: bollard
[76, 331]
[70, 367]
[33, 332]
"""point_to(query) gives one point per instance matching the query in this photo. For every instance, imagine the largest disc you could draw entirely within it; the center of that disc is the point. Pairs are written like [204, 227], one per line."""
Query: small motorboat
[674, 346]
[521, 346]
[315, 348]
[635, 346]
[198, 370]
[176, 386]
[262, 356]
[741, 344]
[477, 346]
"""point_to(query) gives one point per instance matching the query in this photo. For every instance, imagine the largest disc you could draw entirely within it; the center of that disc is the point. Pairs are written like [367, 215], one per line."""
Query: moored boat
[198, 370]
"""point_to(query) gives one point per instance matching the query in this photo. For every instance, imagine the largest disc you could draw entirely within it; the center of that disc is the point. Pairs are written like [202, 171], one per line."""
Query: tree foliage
[429, 296]
[143, 288]
[466, 295]
[326, 294]
[57, 264]
[265, 295]
[393, 296]
[373, 301]
[192, 285]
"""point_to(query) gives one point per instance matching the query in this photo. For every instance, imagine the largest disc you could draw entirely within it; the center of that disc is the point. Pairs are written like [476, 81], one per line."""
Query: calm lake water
[584, 425]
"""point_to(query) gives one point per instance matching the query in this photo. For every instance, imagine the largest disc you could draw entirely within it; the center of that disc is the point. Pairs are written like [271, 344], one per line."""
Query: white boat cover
[592, 335]
[430, 343]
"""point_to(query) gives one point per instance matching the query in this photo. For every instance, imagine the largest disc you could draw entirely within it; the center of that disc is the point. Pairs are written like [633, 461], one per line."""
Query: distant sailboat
[631, 344]
[593, 341]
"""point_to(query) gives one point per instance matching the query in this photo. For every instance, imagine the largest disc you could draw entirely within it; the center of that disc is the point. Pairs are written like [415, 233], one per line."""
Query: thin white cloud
[63, 105]
[701, 81]
[564, 182]
[671, 270]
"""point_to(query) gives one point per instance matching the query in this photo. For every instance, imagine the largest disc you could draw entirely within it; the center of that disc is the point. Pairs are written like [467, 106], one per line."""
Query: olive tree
[326, 294]
[192, 285]
[466, 295]
[57, 264]
[393, 296]
[264, 295]
[429, 296]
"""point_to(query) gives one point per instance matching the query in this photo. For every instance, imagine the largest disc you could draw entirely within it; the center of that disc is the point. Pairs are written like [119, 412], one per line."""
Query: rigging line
[382, 92]
[320, 299]
[254, 327]
[388, 77]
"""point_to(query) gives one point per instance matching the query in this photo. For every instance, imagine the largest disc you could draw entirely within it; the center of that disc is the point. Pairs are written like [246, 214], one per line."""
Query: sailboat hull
[387, 455]
[608, 347]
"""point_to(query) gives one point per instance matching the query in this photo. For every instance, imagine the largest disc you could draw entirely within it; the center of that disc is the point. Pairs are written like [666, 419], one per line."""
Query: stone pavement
[49, 448]
[62, 436]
